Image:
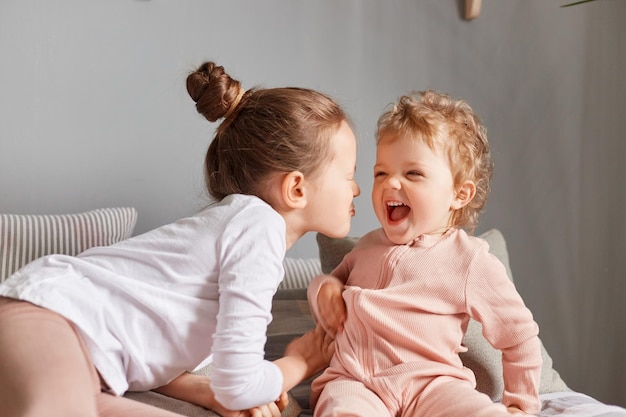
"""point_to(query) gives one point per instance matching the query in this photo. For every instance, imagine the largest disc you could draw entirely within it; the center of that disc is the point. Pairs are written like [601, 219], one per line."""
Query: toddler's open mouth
[397, 210]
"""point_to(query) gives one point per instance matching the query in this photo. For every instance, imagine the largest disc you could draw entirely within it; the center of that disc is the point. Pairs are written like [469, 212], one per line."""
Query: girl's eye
[414, 174]
[379, 174]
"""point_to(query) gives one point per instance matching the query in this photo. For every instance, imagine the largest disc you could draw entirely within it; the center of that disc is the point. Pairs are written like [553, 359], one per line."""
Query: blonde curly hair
[437, 119]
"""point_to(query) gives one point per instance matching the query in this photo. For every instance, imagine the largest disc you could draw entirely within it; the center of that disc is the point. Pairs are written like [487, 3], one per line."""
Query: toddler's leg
[342, 397]
[451, 397]
[44, 371]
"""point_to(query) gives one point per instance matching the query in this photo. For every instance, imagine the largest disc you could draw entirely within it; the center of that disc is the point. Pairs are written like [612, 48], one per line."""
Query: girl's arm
[196, 389]
[305, 356]
[192, 388]
[250, 253]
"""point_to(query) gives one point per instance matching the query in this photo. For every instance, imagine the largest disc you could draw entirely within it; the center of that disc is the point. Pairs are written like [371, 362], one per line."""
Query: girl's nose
[356, 190]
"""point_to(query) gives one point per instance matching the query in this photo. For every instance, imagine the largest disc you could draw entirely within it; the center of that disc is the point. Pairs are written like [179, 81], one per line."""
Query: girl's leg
[343, 397]
[44, 371]
[452, 397]
[112, 406]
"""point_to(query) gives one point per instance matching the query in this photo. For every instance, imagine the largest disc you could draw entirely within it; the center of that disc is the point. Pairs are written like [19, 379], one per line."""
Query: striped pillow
[299, 272]
[25, 237]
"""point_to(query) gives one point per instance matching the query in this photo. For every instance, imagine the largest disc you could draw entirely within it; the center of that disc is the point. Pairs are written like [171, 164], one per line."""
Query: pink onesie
[408, 307]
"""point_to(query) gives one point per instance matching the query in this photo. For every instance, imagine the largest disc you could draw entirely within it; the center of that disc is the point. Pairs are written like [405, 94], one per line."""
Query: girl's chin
[337, 233]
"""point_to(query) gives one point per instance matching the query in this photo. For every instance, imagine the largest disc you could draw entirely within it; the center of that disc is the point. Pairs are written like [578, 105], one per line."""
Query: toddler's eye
[414, 174]
[379, 174]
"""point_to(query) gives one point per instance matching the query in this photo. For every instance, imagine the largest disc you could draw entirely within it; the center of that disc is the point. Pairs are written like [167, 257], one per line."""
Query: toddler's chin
[396, 238]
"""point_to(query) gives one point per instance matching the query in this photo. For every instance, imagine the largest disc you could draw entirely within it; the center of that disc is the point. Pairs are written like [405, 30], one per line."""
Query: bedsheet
[566, 404]
[575, 404]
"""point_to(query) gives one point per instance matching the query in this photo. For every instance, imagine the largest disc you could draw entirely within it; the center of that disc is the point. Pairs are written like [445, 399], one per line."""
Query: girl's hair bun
[266, 131]
[216, 94]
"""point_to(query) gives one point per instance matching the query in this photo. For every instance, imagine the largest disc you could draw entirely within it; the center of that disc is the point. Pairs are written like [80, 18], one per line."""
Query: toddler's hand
[514, 411]
[331, 306]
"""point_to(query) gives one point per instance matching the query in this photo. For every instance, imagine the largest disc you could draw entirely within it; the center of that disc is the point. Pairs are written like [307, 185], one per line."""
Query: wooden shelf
[472, 9]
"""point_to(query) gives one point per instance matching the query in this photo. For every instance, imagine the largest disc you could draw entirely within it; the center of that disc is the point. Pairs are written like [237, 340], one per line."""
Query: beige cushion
[481, 357]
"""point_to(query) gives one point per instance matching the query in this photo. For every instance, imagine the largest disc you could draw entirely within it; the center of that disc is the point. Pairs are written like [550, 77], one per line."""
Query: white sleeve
[251, 254]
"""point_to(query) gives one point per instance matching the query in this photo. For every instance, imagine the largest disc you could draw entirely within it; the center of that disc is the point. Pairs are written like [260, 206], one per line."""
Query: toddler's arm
[493, 300]
[521, 370]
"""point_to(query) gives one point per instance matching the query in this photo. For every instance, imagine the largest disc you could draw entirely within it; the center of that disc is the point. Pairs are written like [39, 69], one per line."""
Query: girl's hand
[272, 409]
[331, 307]
[196, 389]
[268, 410]
[315, 348]
[305, 356]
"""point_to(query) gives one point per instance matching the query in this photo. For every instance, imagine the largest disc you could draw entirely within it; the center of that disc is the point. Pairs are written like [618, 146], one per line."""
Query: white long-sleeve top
[158, 304]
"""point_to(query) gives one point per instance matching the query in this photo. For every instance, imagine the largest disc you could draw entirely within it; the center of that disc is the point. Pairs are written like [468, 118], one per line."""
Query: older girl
[78, 332]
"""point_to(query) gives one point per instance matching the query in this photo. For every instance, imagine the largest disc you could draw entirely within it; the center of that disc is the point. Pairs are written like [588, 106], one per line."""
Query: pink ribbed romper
[408, 307]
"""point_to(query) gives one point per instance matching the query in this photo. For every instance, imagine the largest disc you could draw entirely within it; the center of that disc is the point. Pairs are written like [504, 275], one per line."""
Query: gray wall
[93, 113]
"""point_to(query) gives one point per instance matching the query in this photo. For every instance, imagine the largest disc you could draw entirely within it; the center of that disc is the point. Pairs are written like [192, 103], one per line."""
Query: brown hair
[436, 118]
[265, 131]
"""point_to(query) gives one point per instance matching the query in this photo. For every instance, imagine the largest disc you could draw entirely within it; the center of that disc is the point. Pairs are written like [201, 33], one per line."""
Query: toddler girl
[400, 302]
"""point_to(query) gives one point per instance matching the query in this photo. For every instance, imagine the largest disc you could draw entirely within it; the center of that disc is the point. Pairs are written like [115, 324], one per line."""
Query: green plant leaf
[577, 2]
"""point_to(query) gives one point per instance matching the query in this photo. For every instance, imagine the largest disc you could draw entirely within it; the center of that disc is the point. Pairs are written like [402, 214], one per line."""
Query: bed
[26, 237]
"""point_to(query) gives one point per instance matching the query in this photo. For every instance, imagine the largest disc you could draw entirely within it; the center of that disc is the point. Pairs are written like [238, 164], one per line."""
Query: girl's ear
[464, 195]
[293, 190]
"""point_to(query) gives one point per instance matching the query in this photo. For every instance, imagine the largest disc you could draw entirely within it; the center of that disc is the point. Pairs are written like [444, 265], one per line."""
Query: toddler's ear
[464, 194]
